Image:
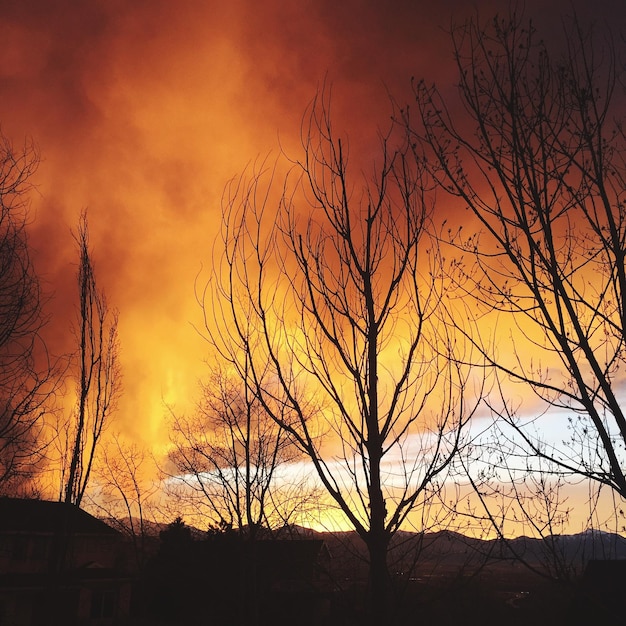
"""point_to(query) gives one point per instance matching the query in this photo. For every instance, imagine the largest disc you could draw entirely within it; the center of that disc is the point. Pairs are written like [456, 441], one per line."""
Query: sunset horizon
[356, 267]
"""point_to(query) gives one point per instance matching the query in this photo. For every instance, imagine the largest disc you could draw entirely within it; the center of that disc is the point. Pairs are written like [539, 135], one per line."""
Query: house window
[6, 546]
[103, 602]
[39, 547]
[20, 548]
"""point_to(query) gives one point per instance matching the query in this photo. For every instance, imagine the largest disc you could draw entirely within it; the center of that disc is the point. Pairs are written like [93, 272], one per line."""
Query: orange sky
[143, 110]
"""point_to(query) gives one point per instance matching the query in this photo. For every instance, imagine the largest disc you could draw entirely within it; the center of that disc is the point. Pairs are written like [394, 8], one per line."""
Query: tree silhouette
[125, 493]
[27, 377]
[324, 302]
[226, 460]
[536, 152]
[98, 375]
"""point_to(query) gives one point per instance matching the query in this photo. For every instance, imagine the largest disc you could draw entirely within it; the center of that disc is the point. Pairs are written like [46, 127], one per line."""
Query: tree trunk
[378, 587]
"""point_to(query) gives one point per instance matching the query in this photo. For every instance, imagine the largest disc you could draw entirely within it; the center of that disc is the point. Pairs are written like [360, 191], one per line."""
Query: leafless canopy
[324, 302]
[537, 154]
[226, 461]
[26, 381]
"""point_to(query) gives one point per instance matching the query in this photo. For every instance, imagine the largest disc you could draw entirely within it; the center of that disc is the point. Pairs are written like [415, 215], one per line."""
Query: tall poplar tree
[97, 372]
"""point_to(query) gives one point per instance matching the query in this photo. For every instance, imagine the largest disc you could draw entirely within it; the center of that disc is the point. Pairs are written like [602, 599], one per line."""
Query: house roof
[44, 516]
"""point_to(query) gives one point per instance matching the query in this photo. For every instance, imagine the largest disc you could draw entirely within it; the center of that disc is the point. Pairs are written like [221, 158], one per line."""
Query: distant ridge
[445, 550]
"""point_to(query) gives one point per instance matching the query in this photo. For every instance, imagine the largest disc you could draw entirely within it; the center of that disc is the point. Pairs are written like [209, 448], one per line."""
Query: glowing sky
[142, 110]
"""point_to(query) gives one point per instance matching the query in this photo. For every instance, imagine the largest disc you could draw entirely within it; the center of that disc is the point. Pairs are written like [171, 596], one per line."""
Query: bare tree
[536, 152]
[26, 373]
[227, 462]
[324, 304]
[98, 376]
[125, 492]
